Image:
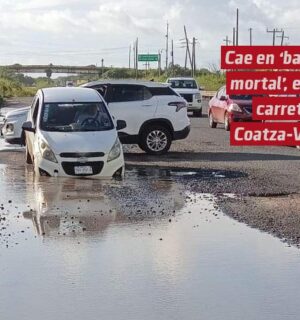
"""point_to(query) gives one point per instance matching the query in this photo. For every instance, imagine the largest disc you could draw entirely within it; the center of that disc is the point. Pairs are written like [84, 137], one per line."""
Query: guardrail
[208, 94]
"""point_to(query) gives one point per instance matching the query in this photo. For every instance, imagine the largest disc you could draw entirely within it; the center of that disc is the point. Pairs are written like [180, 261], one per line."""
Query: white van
[70, 132]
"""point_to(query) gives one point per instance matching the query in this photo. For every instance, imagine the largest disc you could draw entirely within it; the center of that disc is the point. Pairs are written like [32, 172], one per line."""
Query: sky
[82, 32]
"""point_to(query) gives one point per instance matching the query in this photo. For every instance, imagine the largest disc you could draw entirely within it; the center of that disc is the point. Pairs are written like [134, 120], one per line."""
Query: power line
[227, 41]
[274, 31]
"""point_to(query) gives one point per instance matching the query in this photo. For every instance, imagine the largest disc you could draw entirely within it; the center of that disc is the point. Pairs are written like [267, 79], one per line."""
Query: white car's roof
[181, 78]
[70, 94]
[150, 84]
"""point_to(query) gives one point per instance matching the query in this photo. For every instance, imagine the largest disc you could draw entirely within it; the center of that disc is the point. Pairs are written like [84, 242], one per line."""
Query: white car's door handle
[146, 105]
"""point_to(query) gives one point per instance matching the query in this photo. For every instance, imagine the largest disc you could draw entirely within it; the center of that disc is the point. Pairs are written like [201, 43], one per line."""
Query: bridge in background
[50, 69]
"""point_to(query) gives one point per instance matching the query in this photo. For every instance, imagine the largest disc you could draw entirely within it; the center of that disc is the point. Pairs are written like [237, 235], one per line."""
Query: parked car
[70, 132]
[190, 91]
[226, 109]
[155, 114]
[12, 125]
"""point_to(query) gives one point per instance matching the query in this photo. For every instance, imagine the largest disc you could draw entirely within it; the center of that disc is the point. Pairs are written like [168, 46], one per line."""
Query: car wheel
[156, 140]
[197, 113]
[28, 157]
[226, 122]
[212, 123]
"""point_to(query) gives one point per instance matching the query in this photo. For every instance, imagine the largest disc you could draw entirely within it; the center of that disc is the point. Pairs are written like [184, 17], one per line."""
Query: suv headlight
[115, 151]
[47, 153]
[9, 127]
[234, 107]
[198, 96]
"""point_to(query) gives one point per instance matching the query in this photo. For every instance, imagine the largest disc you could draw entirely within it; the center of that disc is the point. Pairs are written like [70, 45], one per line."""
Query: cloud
[80, 32]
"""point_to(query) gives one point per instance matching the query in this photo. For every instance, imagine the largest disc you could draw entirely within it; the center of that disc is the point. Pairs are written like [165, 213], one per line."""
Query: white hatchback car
[70, 132]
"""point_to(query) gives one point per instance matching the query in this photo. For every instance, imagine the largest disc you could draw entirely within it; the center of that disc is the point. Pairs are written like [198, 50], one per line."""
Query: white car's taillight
[179, 105]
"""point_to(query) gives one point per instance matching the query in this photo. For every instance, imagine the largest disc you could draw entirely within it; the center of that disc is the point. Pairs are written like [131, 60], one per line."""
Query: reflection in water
[143, 248]
[73, 207]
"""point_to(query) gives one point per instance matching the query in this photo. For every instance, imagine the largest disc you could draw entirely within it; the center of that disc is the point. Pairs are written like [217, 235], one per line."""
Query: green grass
[10, 87]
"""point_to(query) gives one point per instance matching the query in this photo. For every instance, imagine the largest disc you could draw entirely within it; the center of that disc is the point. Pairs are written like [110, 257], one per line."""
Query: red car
[227, 109]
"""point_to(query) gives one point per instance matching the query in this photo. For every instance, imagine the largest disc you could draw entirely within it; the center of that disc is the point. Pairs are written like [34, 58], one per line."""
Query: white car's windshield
[183, 84]
[68, 117]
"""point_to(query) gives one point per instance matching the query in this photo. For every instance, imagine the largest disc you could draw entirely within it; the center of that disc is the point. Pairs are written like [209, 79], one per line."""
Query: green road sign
[148, 57]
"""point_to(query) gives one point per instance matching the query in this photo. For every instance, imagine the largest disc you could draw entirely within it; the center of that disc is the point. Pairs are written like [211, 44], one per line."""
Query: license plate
[83, 170]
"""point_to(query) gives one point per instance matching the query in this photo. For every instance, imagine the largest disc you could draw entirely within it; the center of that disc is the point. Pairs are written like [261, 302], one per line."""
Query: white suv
[154, 113]
[190, 91]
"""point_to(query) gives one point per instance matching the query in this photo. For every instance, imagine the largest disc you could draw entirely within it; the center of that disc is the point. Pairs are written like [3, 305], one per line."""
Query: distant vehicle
[226, 109]
[70, 132]
[70, 83]
[12, 125]
[190, 91]
[155, 114]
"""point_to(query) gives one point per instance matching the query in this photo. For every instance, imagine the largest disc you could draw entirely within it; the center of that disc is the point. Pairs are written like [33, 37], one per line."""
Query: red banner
[276, 108]
[265, 134]
[260, 82]
[260, 57]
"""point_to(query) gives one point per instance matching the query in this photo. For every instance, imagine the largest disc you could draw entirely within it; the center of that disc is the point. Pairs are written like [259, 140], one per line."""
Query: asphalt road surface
[160, 244]
[266, 179]
[268, 195]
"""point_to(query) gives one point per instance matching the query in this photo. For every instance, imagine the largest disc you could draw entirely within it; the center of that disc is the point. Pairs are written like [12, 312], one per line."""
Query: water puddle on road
[142, 248]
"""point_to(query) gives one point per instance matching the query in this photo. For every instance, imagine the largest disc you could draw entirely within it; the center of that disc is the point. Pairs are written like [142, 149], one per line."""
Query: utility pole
[274, 31]
[133, 51]
[129, 61]
[227, 41]
[283, 36]
[188, 53]
[159, 62]
[172, 53]
[237, 28]
[194, 57]
[250, 33]
[136, 57]
[185, 60]
[167, 46]
[233, 36]
[102, 66]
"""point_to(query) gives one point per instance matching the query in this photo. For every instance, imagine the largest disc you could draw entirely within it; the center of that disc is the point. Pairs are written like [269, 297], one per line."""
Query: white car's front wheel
[156, 140]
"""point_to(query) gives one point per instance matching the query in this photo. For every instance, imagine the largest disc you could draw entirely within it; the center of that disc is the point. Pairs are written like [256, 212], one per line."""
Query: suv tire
[155, 139]
[212, 123]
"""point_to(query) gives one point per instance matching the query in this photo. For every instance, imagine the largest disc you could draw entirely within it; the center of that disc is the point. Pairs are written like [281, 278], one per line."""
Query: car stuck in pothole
[70, 132]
